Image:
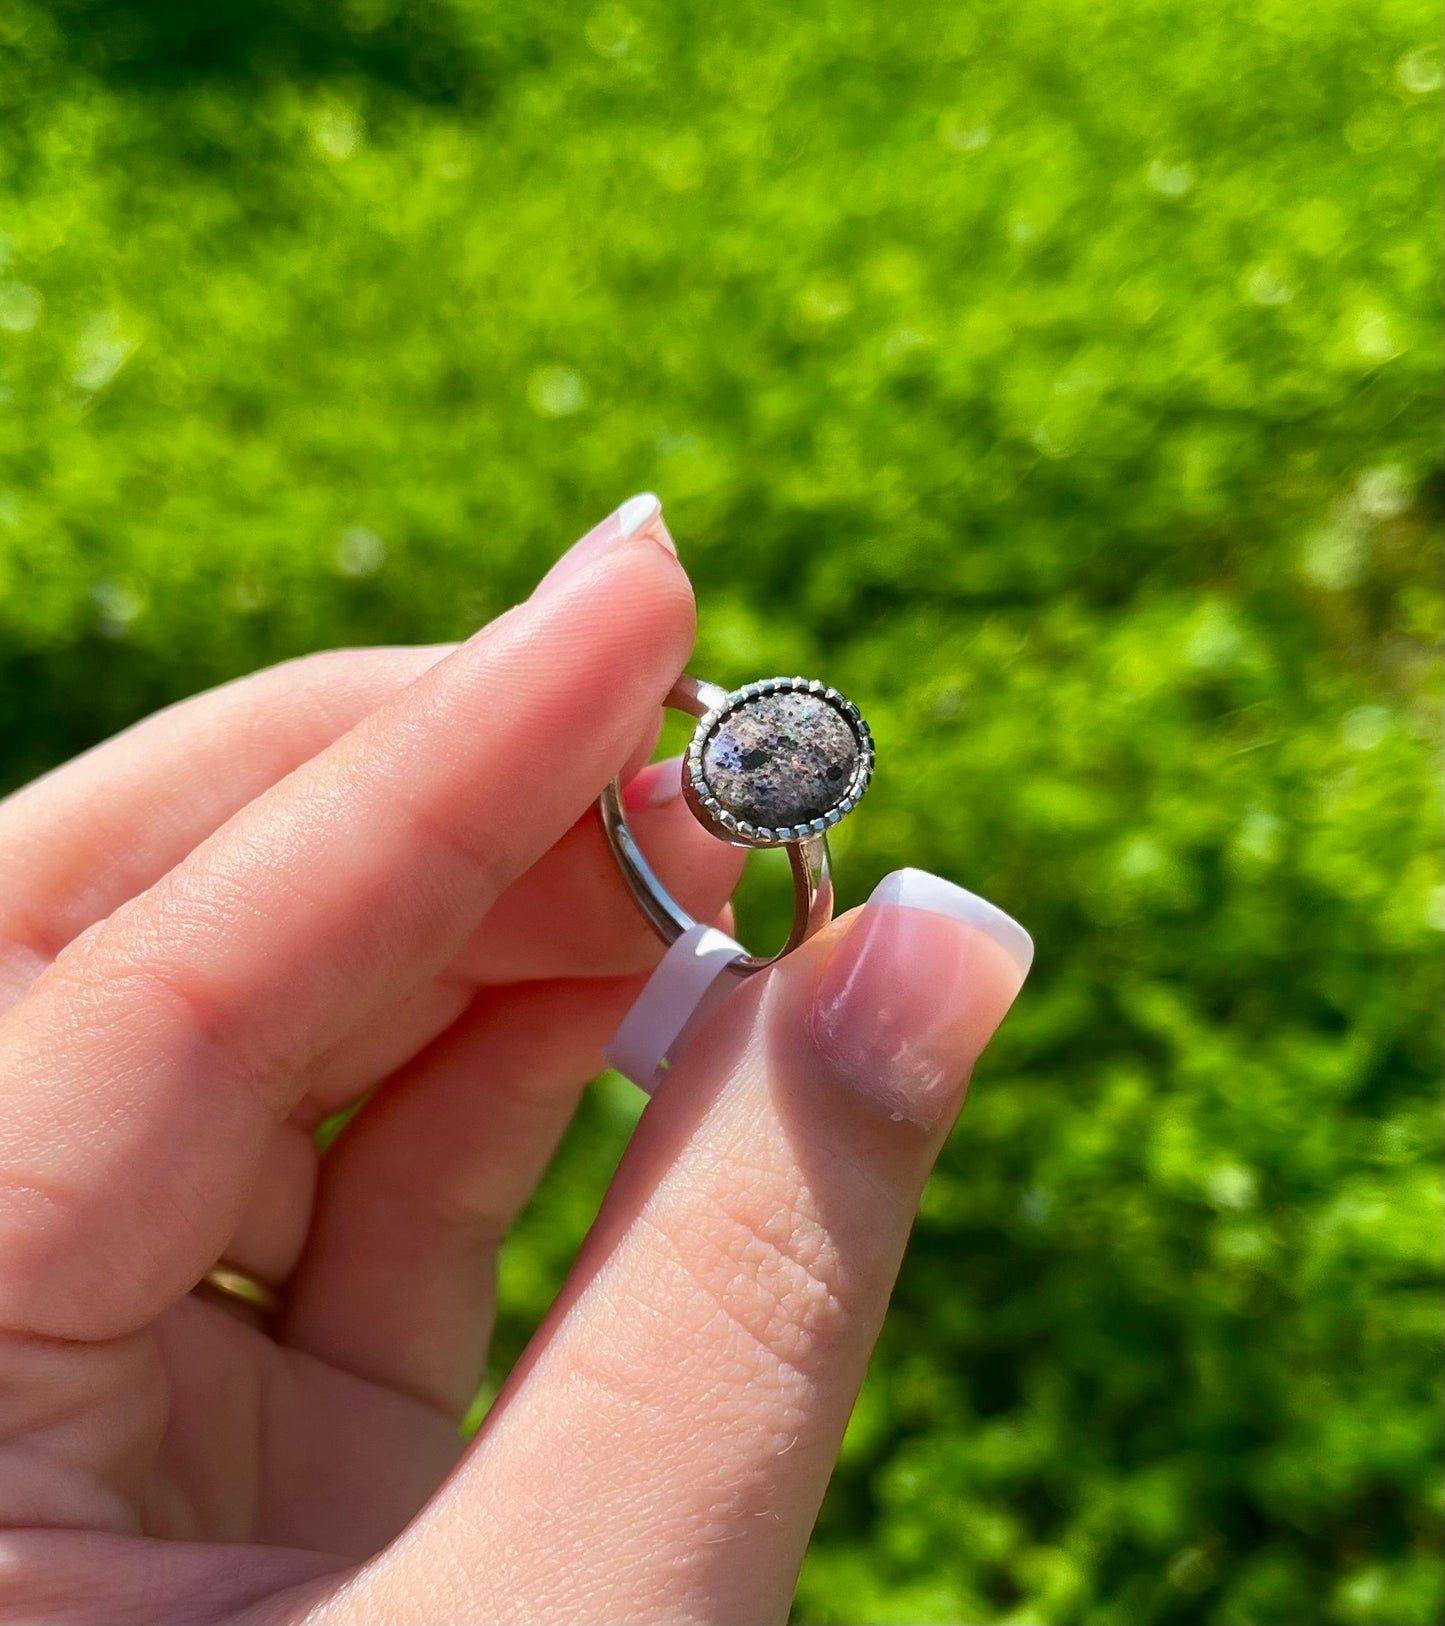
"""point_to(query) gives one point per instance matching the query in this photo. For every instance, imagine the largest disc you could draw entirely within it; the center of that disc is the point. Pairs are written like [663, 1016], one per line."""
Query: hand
[379, 871]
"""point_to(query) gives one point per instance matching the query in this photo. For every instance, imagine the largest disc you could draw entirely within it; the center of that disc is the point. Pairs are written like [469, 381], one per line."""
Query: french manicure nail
[914, 992]
[638, 516]
[643, 513]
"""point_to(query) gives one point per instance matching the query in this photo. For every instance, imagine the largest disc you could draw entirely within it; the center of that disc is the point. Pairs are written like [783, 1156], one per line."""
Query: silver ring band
[806, 841]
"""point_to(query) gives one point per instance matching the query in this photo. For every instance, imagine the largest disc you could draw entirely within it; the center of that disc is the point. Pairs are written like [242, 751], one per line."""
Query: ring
[773, 764]
[236, 1285]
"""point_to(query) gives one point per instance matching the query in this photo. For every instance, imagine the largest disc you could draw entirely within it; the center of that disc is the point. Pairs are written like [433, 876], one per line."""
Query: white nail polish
[918, 889]
[635, 513]
[907, 1001]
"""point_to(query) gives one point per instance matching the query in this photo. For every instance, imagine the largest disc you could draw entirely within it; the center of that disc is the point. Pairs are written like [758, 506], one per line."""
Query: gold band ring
[236, 1284]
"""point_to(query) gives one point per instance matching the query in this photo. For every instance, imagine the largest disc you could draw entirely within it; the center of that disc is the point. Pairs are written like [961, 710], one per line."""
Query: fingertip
[912, 993]
[654, 785]
[696, 868]
[634, 532]
[920, 889]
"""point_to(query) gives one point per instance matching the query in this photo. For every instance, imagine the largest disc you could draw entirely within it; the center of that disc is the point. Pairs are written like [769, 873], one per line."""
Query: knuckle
[474, 852]
[138, 980]
[759, 1255]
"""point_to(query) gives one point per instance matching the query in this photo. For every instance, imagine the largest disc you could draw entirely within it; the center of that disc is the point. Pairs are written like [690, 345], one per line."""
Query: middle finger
[601, 938]
[569, 916]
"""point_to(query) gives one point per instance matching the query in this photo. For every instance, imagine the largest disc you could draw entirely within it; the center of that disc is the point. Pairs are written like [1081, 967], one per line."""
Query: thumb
[662, 1452]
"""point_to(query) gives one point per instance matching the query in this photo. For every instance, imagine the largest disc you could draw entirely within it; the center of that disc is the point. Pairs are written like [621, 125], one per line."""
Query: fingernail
[654, 786]
[914, 992]
[638, 516]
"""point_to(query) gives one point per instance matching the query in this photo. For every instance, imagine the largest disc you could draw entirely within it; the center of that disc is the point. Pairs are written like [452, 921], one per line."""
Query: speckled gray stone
[781, 759]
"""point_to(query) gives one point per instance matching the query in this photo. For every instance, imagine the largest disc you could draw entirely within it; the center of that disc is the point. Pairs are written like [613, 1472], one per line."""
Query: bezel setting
[742, 832]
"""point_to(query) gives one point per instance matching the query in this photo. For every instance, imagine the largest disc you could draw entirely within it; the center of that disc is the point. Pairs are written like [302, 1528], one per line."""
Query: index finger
[147, 1067]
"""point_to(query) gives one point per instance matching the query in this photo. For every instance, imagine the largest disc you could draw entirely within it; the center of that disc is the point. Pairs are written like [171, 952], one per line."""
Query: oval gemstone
[781, 759]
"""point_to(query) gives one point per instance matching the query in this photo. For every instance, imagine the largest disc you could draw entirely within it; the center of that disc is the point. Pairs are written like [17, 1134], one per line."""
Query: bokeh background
[1057, 377]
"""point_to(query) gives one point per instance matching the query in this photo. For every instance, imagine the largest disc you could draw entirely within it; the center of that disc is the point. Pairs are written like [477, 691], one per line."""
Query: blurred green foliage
[1059, 380]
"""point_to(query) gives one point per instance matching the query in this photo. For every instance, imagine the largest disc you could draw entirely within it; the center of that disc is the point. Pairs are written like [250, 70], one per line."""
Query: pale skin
[380, 871]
